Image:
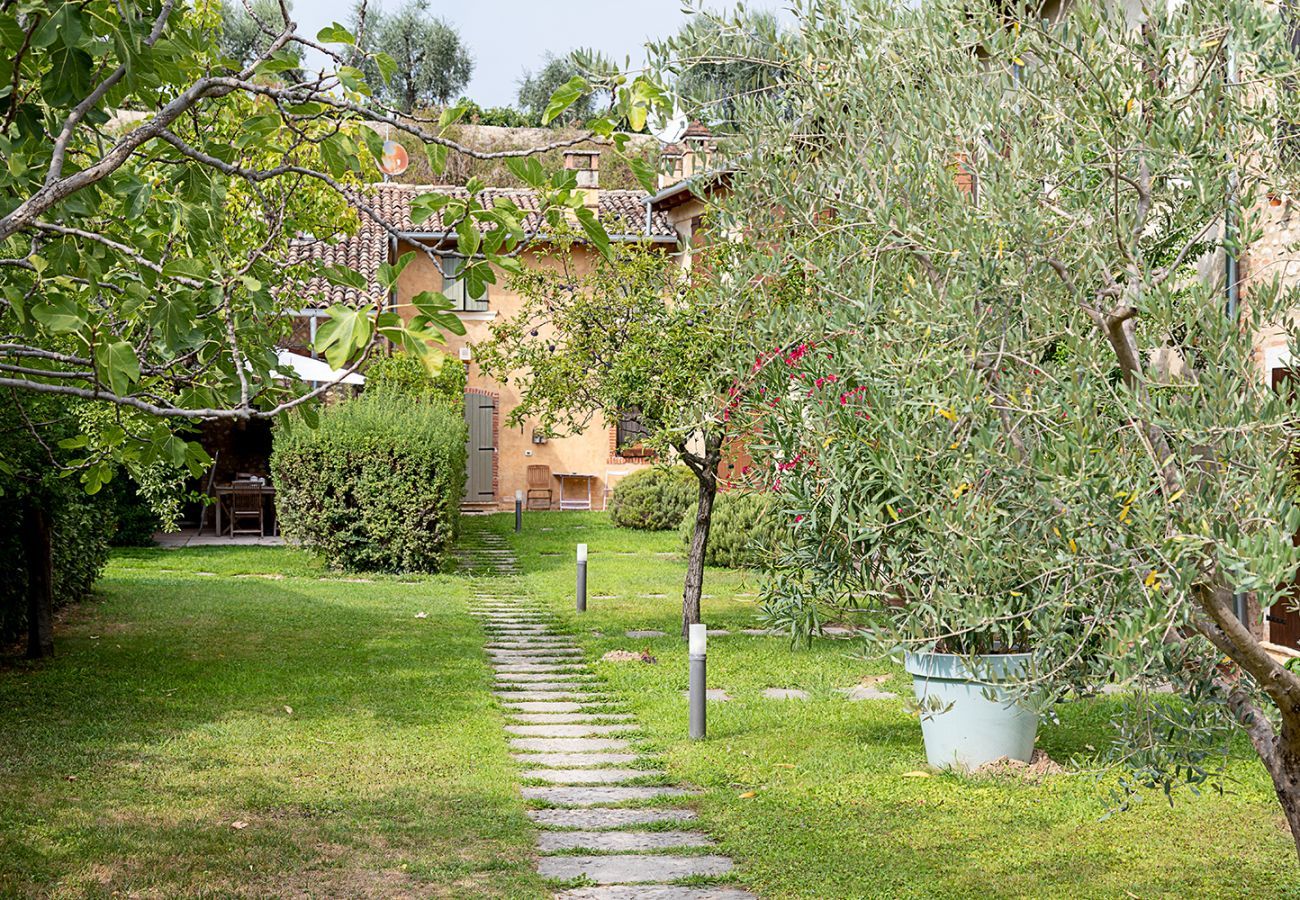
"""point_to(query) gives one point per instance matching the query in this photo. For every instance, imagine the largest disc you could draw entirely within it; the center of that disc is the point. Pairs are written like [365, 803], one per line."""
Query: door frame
[495, 397]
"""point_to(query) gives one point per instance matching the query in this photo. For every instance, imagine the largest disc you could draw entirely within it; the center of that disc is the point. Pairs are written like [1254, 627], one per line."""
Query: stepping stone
[654, 892]
[528, 652]
[619, 841]
[567, 718]
[649, 633]
[625, 869]
[759, 632]
[497, 662]
[525, 677]
[598, 796]
[866, 692]
[548, 695]
[607, 818]
[785, 694]
[539, 667]
[541, 706]
[589, 776]
[574, 760]
[533, 644]
[570, 745]
[717, 632]
[503, 687]
[717, 694]
[562, 731]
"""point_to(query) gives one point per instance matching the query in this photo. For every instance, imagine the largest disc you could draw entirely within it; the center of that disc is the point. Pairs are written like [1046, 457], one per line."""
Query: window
[631, 434]
[453, 286]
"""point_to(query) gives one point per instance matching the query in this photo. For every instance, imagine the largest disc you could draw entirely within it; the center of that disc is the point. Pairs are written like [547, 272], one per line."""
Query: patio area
[191, 537]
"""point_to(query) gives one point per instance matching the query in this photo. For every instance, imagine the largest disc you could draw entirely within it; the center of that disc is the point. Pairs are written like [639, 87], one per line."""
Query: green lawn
[165, 719]
[811, 798]
[125, 761]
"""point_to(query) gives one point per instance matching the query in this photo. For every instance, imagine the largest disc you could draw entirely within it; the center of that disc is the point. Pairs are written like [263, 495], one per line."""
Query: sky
[508, 37]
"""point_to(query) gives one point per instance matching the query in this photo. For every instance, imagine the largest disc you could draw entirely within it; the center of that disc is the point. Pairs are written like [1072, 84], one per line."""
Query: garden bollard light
[519, 511]
[698, 650]
[582, 578]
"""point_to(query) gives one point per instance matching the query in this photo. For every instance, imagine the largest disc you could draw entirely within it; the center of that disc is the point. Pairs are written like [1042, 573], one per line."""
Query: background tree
[628, 336]
[433, 65]
[536, 89]
[247, 29]
[717, 62]
[148, 208]
[1004, 407]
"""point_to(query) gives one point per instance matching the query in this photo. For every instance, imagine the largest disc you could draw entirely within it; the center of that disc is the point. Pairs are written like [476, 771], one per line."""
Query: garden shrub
[745, 532]
[376, 486]
[82, 528]
[653, 499]
[407, 375]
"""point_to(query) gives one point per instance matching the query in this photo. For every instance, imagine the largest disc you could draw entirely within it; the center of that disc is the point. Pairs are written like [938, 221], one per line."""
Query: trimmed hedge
[376, 486]
[405, 374]
[653, 499]
[82, 528]
[745, 530]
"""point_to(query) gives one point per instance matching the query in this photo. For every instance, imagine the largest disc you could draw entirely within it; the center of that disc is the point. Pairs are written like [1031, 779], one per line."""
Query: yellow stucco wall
[589, 452]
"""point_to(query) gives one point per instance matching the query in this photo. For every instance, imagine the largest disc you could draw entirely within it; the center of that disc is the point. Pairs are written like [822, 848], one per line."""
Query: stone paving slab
[563, 731]
[589, 776]
[514, 688]
[632, 869]
[530, 652]
[785, 694]
[599, 796]
[716, 694]
[569, 745]
[539, 667]
[574, 760]
[525, 677]
[651, 892]
[865, 692]
[646, 633]
[535, 644]
[543, 706]
[536, 661]
[552, 695]
[607, 818]
[620, 841]
[567, 718]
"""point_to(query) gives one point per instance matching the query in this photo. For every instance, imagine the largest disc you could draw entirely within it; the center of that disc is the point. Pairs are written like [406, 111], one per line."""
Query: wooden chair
[246, 506]
[539, 484]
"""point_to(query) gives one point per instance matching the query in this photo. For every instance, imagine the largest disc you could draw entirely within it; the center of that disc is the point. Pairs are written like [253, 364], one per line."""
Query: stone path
[596, 798]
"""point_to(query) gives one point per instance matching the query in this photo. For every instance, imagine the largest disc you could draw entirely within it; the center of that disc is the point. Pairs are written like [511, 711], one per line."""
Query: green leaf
[116, 364]
[345, 277]
[467, 237]
[594, 230]
[60, 314]
[388, 274]
[387, 66]
[646, 174]
[347, 331]
[340, 154]
[453, 114]
[437, 154]
[334, 33]
[527, 169]
[564, 97]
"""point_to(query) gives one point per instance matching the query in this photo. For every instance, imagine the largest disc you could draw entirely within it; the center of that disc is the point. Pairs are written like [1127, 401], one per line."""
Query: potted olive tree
[995, 354]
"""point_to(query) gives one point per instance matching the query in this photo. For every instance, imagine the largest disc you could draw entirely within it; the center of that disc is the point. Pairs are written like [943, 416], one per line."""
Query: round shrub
[745, 530]
[376, 486]
[653, 499]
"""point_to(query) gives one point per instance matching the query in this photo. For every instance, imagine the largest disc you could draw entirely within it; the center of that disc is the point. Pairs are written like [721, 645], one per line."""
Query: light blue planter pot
[967, 720]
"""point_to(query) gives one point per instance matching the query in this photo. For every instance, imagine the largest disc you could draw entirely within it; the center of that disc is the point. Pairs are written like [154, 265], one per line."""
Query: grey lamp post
[519, 511]
[698, 651]
[582, 578]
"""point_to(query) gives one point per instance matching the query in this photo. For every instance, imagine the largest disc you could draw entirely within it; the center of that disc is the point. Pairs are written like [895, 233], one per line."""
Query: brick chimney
[585, 165]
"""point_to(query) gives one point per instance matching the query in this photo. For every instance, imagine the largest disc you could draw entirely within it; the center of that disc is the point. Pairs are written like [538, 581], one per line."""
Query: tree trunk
[1284, 768]
[706, 472]
[38, 549]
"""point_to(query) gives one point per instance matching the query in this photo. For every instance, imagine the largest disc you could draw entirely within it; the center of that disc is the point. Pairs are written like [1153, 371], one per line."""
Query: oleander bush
[653, 499]
[746, 530]
[376, 485]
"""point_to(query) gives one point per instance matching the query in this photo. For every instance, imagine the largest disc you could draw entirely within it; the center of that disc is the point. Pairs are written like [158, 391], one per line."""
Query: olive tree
[1005, 394]
[152, 199]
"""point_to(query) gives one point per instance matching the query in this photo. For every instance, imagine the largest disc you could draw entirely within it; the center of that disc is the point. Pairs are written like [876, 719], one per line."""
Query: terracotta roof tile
[364, 251]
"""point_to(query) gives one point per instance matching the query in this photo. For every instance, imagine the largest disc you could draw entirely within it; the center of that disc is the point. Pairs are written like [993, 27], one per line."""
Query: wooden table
[224, 492]
[575, 502]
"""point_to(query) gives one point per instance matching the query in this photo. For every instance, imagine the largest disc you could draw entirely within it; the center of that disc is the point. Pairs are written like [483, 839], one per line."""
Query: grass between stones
[305, 736]
[810, 798]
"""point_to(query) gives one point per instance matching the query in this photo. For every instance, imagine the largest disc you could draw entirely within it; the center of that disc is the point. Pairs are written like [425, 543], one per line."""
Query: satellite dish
[670, 131]
[395, 159]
